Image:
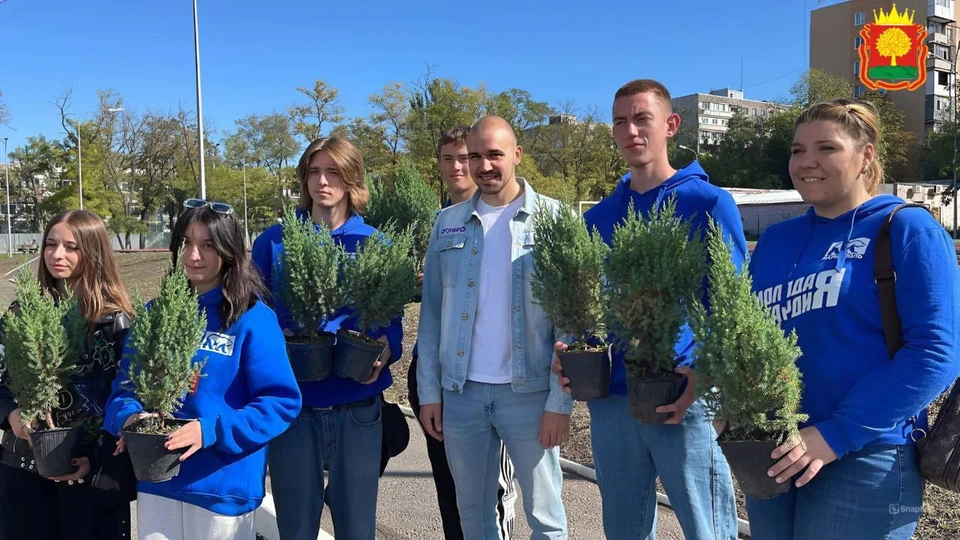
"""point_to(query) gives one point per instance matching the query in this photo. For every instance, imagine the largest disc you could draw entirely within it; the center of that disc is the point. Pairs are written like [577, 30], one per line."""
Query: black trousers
[35, 508]
[443, 479]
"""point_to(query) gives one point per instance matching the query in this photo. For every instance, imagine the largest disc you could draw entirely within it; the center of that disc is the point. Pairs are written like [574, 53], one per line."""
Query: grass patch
[893, 73]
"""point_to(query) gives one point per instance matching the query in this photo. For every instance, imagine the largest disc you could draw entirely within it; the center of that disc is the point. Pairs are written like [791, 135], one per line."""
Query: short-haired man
[485, 345]
[683, 453]
[452, 162]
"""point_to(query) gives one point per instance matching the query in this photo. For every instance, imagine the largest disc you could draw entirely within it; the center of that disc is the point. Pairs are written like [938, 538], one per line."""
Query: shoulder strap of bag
[885, 277]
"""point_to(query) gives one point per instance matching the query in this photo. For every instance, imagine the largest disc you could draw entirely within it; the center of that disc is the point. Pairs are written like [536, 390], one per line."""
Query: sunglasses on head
[218, 207]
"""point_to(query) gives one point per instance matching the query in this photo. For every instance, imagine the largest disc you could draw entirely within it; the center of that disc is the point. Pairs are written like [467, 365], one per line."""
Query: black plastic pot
[353, 357]
[151, 461]
[312, 361]
[55, 449]
[589, 374]
[645, 395]
[749, 461]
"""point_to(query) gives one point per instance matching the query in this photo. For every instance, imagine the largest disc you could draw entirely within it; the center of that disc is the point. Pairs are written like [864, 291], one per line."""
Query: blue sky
[254, 53]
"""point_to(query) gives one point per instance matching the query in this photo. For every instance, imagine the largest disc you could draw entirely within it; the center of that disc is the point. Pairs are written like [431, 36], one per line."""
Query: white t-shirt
[490, 346]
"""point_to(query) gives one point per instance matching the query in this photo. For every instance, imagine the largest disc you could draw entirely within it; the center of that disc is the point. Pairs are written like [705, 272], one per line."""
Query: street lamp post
[6, 173]
[196, 49]
[695, 153]
[246, 232]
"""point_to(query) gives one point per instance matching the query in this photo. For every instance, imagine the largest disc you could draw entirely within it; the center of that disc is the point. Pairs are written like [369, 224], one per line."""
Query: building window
[856, 68]
[754, 111]
[859, 18]
[943, 3]
[858, 90]
[943, 78]
[704, 104]
[857, 42]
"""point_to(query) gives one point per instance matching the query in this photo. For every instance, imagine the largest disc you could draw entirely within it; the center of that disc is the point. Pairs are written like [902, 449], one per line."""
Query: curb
[743, 526]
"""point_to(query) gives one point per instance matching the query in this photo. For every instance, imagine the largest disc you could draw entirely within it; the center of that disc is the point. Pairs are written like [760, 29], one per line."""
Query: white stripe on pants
[160, 518]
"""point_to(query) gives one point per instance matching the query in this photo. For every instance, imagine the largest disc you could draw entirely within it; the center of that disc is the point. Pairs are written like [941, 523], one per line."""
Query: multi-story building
[704, 118]
[835, 41]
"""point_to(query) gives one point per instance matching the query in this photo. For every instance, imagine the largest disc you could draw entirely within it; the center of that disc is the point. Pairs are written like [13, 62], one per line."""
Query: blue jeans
[873, 493]
[629, 456]
[347, 443]
[474, 423]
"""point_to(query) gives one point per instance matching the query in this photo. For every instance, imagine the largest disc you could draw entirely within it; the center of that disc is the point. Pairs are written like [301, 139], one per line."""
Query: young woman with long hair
[94, 502]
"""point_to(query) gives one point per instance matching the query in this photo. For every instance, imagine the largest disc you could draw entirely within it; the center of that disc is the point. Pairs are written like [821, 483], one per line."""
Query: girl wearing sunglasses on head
[94, 502]
[246, 396]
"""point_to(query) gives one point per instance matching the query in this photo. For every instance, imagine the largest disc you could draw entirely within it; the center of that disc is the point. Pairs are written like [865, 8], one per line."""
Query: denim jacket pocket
[450, 253]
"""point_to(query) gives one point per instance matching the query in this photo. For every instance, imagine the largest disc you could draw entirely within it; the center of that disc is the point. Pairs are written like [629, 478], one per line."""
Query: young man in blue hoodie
[683, 453]
[454, 168]
[339, 428]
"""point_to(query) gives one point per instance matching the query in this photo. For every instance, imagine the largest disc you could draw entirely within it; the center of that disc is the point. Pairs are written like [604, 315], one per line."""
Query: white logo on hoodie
[856, 249]
[218, 343]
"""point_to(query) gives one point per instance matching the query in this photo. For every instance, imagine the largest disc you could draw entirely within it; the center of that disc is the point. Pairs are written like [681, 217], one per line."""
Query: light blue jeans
[629, 456]
[346, 442]
[874, 493]
[474, 422]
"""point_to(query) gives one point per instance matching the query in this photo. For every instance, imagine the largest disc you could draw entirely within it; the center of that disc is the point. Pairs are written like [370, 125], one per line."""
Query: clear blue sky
[254, 53]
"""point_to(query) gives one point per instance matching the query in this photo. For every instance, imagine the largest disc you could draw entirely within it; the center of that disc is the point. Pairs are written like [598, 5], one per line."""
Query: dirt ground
[941, 510]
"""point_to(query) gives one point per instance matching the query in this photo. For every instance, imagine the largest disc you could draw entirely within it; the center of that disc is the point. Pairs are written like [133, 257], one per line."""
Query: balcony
[938, 37]
[938, 64]
[940, 10]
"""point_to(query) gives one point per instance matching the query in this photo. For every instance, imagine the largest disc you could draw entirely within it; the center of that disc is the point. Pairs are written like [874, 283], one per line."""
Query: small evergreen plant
[42, 341]
[163, 340]
[409, 203]
[568, 274]
[379, 279]
[654, 271]
[746, 365]
[310, 267]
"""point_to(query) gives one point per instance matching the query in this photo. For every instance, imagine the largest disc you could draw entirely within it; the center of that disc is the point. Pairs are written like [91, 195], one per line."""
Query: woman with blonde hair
[854, 470]
[340, 427]
[94, 502]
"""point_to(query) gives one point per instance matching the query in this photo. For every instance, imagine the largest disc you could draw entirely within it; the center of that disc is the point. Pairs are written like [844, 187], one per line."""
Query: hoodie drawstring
[842, 256]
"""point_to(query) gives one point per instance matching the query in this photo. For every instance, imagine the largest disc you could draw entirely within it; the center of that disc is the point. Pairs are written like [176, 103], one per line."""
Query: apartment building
[704, 118]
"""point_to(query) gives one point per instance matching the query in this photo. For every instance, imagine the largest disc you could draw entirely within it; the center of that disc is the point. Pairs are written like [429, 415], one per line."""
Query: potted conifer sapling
[746, 372]
[568, 283]
[379, 281]
[654, 270]
[43, 339]
[310, 266]
[163, 341]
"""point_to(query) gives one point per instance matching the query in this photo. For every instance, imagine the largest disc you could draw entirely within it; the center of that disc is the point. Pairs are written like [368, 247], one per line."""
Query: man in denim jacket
[486, 346]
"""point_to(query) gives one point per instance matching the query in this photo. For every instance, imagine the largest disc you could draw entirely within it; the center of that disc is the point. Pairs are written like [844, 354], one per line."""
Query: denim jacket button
[459, 353]
[469, 284]
[456, 387]
[464, 317]
[473, 251]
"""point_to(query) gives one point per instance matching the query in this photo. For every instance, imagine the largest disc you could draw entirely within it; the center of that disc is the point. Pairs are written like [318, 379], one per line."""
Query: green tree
[896, 143]
[817, 85]
[323, 107]
[35, 177]
[380, 279]
[405, 202]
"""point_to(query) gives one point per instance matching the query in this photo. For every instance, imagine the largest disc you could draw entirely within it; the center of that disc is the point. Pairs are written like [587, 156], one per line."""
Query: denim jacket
[450, 303]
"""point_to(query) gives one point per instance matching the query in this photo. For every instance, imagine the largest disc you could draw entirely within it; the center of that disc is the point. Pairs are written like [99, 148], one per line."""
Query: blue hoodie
[696, 199]
[816, 275]
[245, 397]
[267, 250]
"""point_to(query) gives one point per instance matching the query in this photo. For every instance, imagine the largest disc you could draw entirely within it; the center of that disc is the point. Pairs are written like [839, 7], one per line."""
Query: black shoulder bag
[939, 449]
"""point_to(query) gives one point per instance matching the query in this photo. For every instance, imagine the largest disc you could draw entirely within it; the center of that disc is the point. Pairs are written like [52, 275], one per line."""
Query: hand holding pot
[810, 452]
[678, 408]
[83, 469]
[557, 368]
[382, 361]
[189, 436]
[21, 430]
[554, 429]
[430, 418]
[121, 444]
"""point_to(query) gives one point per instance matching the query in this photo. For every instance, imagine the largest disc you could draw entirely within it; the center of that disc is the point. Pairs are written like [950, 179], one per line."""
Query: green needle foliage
[654, 272]
[310, 267]
[42, 340]
[380, 279]
[409, 203]
[568, 273]
[746, 365]
[164, 339]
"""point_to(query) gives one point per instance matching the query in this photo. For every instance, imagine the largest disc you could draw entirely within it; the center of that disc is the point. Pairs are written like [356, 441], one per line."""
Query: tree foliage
[654, 272]
[42, 341]
[309, 269]
[379, 279]
[568, 270]
[405, 202]
[163, 341]
[746, 365]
